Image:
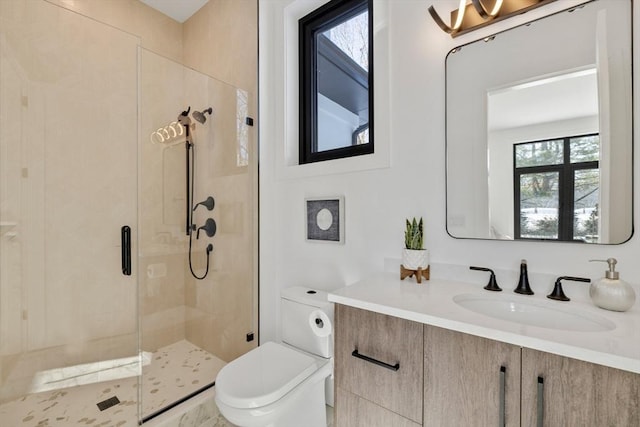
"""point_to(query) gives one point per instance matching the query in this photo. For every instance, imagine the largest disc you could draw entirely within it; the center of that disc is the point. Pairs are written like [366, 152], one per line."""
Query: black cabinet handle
[502, 414]
[355, 353]
[540, 422]
[125, 237]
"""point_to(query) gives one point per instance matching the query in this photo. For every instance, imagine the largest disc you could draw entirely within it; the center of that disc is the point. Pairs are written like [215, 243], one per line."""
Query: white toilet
[283, 384]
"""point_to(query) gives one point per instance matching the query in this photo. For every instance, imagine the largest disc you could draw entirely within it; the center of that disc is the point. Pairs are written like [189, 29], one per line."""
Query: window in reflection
[540, 153]
[539, 201]
[586, 195]
[556, 186]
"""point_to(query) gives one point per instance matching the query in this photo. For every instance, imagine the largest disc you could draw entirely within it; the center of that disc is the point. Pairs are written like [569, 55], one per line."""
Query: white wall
[408, 181]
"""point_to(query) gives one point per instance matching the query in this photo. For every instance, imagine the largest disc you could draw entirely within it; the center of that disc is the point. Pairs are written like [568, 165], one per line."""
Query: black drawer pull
[502, 413]
[540, 408]
[375, 361]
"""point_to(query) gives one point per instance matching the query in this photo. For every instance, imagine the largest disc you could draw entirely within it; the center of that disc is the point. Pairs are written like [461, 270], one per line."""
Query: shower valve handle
[209, 204]
[209, 227]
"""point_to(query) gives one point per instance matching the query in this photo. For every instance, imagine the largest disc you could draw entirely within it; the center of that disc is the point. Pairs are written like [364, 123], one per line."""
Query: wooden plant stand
[419, 273]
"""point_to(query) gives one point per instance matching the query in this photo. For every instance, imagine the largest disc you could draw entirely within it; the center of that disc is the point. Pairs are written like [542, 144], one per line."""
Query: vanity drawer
[354, 411]
[379, 358]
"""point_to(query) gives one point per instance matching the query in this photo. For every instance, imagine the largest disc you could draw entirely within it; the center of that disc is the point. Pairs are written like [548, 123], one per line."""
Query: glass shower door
[194, 326]
[68, 183]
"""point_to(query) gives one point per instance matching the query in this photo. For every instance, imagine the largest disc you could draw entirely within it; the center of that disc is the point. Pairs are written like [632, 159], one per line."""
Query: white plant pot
[414, 259]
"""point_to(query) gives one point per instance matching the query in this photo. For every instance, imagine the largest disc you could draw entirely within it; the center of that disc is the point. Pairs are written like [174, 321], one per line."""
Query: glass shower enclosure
[82, 109]
[193, 326]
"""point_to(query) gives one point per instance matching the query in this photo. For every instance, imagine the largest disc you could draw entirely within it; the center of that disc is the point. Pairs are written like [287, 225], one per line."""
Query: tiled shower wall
[69, 96]
[220, 40]
[215, 314]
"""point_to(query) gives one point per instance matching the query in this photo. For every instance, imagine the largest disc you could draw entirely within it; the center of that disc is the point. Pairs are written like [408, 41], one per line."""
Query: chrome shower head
[200, 116]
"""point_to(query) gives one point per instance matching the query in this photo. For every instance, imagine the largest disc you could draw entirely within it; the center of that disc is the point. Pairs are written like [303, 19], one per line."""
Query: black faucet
[523, 284]
[492, 285]
[558, 294]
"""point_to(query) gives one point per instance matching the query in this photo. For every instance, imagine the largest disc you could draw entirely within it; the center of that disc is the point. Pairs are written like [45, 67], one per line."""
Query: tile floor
[175, 371]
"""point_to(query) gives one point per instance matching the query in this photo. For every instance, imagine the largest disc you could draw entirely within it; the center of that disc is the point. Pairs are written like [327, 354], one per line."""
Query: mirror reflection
[539, 130]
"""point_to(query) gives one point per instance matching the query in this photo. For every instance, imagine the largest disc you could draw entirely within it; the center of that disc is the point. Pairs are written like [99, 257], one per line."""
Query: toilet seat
[263, 375]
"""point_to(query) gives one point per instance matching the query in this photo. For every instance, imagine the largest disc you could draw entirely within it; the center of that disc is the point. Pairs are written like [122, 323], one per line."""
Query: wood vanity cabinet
[469, 380]
[369, 390]
[576, 393]
[448, 378]
[473, 381]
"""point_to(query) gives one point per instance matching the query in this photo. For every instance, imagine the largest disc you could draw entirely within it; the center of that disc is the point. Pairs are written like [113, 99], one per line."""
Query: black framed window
[336, 81]
[557, 189]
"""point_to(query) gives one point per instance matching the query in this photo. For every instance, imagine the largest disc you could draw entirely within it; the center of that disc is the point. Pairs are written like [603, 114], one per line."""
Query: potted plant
[414, 256]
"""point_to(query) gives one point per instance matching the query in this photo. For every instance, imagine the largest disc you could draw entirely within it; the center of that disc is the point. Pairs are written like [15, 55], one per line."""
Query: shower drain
[108, 403]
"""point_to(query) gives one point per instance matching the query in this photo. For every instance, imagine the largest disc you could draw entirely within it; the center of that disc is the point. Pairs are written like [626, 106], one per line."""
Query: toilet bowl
[283, 384]
[274, 385]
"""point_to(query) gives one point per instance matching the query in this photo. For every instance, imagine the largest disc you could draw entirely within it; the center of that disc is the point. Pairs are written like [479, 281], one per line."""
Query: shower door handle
[125, 237]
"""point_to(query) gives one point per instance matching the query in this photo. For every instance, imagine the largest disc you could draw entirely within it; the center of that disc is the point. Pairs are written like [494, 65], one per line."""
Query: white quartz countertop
[432, 303]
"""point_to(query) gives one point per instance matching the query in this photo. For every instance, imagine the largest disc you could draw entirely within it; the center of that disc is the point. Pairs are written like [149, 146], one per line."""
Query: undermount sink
[534, 313]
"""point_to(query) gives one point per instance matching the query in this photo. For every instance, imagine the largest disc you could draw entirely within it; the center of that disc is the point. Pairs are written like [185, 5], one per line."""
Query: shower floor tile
[175, 371]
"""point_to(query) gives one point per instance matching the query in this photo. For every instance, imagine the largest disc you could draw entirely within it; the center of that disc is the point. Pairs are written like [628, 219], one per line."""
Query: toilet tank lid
[307, 296]
[263, 375]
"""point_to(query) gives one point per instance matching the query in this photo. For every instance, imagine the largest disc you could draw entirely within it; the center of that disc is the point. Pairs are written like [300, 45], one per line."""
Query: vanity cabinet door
[383, 343]
[470, 381]
[558, 391]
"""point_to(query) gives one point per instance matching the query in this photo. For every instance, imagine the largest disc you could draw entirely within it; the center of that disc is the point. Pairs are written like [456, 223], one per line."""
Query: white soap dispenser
[610, 292]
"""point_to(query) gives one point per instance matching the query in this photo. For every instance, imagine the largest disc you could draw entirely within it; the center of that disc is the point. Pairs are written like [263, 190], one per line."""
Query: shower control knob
[209, 204]
[209, 227]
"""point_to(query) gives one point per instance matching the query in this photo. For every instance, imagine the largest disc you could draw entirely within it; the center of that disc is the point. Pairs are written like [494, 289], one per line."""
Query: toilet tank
[300, 307]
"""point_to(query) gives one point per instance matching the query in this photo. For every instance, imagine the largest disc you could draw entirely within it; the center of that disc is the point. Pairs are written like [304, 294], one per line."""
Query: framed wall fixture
[480, 13]
[325, 219]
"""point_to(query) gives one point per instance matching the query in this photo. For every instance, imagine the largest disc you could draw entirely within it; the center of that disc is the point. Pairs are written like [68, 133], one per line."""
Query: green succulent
[414, 234]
